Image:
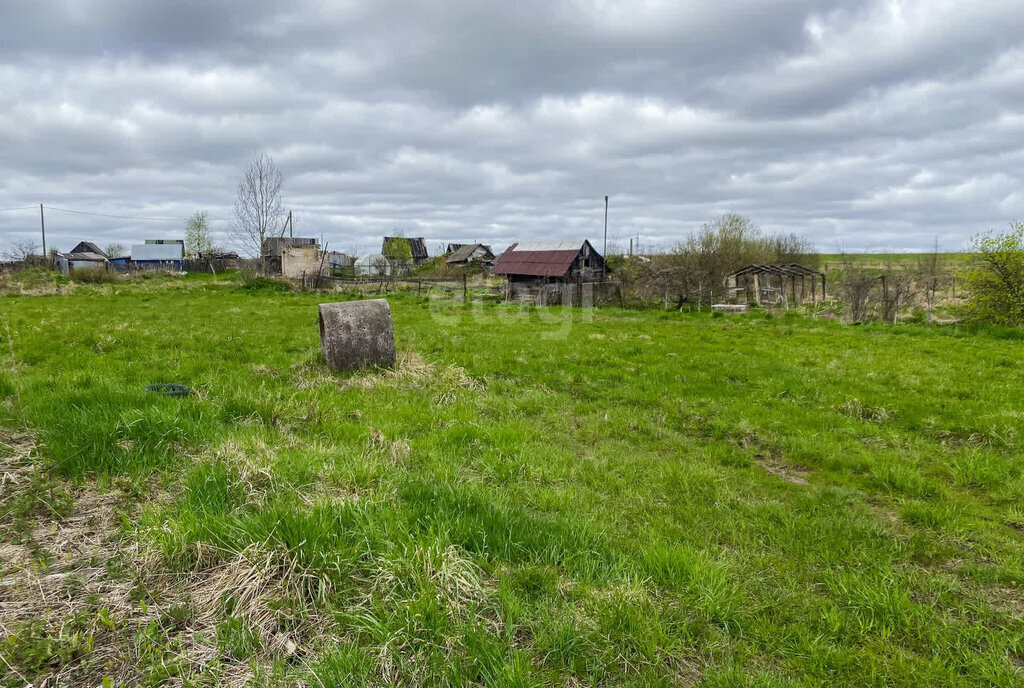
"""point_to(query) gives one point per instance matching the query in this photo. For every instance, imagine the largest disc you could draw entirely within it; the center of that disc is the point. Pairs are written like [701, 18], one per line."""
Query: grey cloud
[862, 125]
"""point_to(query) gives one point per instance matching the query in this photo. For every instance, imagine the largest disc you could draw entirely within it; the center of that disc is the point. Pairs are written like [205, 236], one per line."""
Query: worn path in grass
[530, 498]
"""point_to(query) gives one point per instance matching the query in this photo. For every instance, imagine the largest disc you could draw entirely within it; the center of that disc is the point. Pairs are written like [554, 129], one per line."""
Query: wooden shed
[544, 262]
[470, 253]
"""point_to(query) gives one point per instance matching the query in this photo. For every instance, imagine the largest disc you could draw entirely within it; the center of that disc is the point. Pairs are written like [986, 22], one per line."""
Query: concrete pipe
[355, 334]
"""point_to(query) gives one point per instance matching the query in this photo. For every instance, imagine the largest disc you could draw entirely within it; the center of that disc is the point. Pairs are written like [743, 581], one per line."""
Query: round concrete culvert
[356, 334]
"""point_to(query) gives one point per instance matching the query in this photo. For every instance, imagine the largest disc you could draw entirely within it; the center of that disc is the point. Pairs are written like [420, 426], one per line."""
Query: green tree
[996, 282]
[398, 251]
[197, 235]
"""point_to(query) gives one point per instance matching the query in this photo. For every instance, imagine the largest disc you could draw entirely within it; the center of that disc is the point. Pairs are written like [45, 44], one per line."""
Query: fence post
[464, 278]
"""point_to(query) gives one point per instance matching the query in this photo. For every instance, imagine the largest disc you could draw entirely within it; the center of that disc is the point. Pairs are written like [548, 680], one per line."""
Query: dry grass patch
[412, 370]
[81, 601]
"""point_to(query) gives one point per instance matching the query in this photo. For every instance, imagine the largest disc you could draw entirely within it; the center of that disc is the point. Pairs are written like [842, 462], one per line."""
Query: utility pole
[604, 263]
[42, 227]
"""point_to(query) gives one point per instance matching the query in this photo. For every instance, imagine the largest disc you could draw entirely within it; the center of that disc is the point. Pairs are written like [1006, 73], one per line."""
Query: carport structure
[767, 284]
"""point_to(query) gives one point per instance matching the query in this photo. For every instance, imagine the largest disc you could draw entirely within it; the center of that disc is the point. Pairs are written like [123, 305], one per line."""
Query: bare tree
[114, 250]
[22, 250]
[933, 275]
[898, 289]
[856, 285]
[259, 212]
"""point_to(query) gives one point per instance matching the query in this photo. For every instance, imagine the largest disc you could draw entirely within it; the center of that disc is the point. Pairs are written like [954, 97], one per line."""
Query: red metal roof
[537, 263]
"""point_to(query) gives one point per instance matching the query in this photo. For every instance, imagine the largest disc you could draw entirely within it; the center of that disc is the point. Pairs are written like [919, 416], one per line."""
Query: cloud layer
[861, 125]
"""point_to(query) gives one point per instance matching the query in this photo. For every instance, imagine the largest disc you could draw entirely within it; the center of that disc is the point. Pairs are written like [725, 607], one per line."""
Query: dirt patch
[773, 464]
[1006, 599]
[772, 460]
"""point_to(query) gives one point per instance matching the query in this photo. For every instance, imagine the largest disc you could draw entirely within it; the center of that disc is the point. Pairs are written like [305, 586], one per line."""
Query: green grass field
[954, 263]
[531, 498]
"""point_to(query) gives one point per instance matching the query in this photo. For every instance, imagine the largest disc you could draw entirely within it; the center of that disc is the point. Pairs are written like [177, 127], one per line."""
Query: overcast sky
[876, 125]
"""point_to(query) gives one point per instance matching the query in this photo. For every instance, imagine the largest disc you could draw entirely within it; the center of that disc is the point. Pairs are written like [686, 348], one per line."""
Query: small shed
[452, 248]
[468, 254]
[85, 255]
[777, 284]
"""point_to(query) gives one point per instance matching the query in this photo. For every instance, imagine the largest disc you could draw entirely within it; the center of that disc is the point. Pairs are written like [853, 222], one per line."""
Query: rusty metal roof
[538, 260]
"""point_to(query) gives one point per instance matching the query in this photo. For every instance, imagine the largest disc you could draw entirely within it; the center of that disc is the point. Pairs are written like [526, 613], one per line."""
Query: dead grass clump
[411, 371]
[253, 587]
[265, 370]
[397, 450]
[310, 374]
[441, 571]
[858, 410]
[250, 466]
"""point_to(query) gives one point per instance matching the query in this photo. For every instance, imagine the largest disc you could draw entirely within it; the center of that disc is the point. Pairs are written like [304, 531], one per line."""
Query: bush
[254, 282]
[996, 283]
[38, 277]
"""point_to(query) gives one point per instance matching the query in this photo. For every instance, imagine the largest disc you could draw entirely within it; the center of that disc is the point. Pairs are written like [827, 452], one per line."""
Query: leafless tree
[933, 275]
[259, 212]
[114, 250]
[898, 289]
[22, 250]
[855, 286]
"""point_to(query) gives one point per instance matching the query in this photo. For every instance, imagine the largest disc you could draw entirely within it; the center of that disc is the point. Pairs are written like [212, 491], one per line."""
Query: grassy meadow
[953, 263]
[530, 498]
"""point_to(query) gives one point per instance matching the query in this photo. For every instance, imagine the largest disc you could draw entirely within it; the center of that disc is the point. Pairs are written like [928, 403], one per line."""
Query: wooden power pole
[42, 228]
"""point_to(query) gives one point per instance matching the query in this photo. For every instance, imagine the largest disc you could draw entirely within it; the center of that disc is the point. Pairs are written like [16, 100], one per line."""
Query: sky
[882, 125]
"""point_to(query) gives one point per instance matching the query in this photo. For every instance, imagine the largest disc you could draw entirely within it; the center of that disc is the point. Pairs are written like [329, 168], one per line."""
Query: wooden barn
[549, 271]
[467, 254]
[545, 262]
[85, 255]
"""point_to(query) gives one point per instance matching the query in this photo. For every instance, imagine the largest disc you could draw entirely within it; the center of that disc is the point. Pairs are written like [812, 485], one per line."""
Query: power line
[130, 217]
[24, 207]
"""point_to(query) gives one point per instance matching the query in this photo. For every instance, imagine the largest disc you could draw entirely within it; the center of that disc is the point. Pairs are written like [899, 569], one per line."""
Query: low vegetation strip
[531, 497]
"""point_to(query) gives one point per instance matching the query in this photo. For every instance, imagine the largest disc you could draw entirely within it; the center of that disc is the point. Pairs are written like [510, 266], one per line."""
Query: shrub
[996, 283]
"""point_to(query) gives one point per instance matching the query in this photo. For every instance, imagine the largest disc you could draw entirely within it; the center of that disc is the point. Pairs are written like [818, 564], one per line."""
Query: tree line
[694, 272]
